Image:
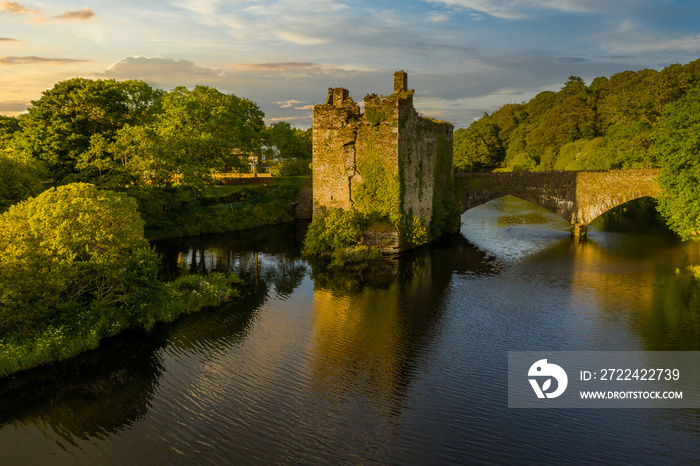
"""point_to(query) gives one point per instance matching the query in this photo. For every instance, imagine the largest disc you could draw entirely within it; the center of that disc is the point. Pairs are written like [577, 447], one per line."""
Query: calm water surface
[409, 366]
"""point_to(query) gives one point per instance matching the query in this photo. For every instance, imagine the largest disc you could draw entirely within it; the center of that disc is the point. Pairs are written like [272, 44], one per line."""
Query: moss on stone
[376, 115]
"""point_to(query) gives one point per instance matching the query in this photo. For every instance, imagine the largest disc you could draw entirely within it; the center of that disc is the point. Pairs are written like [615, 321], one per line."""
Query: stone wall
[387, 159]
[334, 137]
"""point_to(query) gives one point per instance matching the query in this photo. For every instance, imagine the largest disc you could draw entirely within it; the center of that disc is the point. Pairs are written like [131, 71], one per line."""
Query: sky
[463, 57]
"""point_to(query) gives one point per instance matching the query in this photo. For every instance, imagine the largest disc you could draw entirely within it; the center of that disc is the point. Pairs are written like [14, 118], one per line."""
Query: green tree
[507, 119]
[19, 179]
[59, 126]
[287, 150]
[208, 131]
[166, 162]
[8, 127]
[678, 150]
[478, 148]
[69, 248]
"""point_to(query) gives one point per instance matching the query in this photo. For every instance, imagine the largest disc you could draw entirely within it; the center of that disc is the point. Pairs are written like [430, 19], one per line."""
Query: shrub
[338, 235]
[68, 247]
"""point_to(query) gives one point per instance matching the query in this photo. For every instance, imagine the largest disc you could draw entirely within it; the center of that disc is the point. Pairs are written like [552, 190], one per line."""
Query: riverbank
[231, 208]
[83, 330]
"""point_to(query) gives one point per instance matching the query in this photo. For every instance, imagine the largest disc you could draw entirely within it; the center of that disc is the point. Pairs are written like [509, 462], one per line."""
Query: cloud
[291, 118]
[632, 38]
[279, 67]
[572, 60]
[522, 9]
[8, 39]
[15, 8]
[38, 60]
[79, 15]
[289, 103]
[436, 17]
[646, 44]
[164, 72]
[14, 106]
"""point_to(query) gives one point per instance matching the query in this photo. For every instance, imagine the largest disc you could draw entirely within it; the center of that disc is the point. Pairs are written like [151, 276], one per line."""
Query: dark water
[408, 366]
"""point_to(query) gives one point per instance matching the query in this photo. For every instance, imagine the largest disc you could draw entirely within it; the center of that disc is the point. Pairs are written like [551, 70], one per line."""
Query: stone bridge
[577, 197]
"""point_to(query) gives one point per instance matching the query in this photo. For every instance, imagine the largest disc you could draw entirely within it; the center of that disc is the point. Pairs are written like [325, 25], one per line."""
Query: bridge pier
[579, 230]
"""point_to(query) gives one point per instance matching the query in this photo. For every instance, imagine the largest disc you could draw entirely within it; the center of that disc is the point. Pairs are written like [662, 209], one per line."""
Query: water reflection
[367, 336]
[263, 257]
[636, 279]
[93, 395]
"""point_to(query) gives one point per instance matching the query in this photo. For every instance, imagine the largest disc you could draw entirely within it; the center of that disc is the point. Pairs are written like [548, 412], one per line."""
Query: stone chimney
[400, 82]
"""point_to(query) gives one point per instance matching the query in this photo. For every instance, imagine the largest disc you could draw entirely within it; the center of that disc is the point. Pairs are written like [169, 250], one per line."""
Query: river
[408, 366]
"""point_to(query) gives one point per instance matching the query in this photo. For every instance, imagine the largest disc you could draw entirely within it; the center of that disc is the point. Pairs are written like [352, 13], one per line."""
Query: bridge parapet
[576, 196]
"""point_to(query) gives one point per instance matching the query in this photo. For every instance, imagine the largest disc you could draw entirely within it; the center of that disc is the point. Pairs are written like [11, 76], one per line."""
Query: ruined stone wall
[425, 147]
[334, 136]
[387, 160]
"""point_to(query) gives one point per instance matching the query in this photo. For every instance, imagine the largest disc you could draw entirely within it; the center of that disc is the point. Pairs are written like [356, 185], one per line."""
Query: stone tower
[389, 140]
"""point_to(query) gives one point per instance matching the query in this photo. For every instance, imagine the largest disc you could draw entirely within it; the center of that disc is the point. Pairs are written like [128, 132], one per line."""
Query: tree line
[633, 119]
[128, 136]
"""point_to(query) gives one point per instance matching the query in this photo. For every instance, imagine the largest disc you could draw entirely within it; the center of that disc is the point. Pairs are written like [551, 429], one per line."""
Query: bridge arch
[577, 196]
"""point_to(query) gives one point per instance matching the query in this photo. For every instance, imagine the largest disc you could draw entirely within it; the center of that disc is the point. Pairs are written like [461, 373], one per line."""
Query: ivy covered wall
[388, 167]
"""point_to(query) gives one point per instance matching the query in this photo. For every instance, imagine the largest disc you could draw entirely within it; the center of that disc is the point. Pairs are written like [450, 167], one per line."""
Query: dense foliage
[59, 127]
[161, 148]
[611, 124]
[20, 178]
[75, 267]
[678, 150]
[337, 235]
[286, 150]
[70, 247]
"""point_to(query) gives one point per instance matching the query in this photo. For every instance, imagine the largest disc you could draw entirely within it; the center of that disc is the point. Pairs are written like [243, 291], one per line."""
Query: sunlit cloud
[289, 103]
[79, 15]
[280, 67]
[290, 119]
[15, 8]
[162, 72]
[38, 61]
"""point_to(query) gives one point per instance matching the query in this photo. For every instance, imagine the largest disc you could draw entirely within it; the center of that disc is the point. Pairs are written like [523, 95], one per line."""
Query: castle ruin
[387, 158]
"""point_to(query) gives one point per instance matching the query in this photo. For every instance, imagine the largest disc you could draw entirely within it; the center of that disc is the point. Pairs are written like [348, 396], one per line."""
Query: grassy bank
[229, 208]
[83, 329]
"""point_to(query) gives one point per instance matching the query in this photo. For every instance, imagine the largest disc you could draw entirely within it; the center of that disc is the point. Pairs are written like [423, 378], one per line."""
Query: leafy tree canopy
[614, 119]
[69, 245]
[20, 178]
[287, 150]
[58, 127]
[678, 150]
[195, 133]
[8, 127]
